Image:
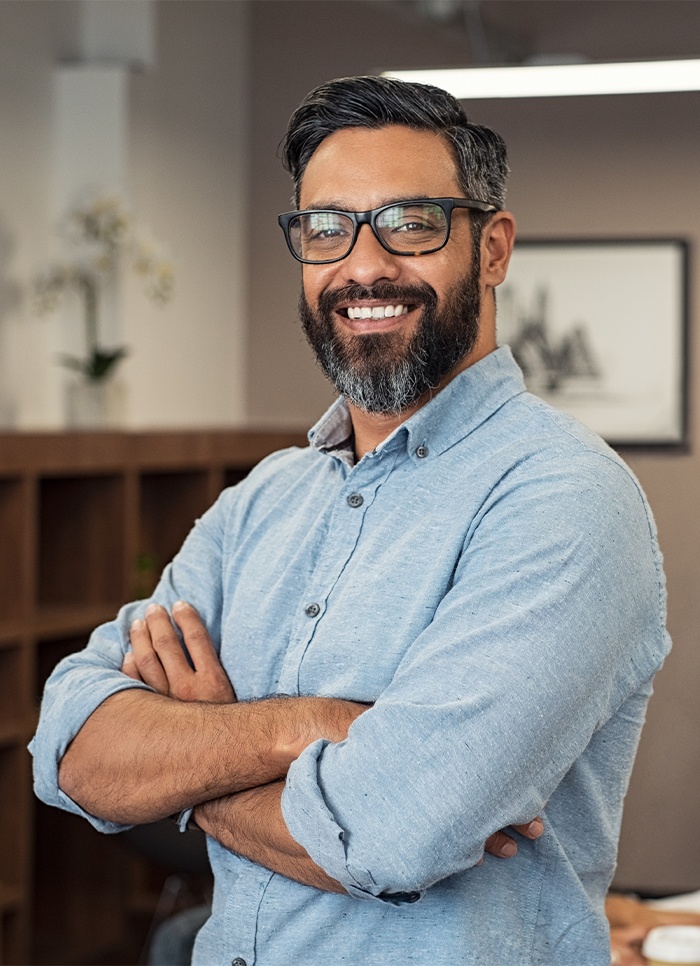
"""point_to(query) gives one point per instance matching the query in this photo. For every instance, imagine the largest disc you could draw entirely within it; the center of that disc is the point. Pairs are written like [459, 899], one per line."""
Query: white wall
[30, 35]
[190, 157]
[187, 181]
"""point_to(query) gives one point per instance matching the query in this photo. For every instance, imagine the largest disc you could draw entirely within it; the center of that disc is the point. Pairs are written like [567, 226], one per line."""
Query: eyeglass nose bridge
[361, 218]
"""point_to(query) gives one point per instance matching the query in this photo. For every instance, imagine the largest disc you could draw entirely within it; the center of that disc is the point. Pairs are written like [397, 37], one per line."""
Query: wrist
[301, 721]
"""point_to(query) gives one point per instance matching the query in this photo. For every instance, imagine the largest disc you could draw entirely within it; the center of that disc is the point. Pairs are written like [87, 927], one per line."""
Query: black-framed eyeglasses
[322, 235]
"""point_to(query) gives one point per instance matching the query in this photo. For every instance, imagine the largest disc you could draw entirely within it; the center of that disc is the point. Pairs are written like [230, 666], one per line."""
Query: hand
[157, 657]
[504, 846]
[626, 945]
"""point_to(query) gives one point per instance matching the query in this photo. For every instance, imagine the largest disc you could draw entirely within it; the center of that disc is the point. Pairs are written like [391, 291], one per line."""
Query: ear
[497, 241]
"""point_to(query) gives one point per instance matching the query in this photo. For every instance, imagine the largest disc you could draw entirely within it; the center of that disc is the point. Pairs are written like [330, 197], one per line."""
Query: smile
[374, 311]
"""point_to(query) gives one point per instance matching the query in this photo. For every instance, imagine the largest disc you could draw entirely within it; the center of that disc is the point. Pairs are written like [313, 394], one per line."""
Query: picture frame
[600, 327]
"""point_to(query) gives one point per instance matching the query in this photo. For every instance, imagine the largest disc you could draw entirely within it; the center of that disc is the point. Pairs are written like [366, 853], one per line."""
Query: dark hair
[375, 102]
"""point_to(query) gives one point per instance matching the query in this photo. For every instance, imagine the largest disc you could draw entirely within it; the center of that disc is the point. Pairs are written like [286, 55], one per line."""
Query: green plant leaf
[98, 365]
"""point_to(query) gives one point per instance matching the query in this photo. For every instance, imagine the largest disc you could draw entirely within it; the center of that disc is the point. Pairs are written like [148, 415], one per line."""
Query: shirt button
[422, 452]
[239, 962]
[312, 610]
[355, 500]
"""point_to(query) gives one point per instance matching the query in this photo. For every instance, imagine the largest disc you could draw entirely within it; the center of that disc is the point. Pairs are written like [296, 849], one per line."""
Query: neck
[370, 429]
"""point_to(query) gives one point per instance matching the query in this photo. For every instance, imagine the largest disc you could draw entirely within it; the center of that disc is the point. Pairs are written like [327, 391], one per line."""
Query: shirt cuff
[102, 825]
[183, 820]
[312, 824]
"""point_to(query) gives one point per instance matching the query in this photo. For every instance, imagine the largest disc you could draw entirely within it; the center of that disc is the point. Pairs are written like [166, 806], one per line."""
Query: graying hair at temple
[374, 102]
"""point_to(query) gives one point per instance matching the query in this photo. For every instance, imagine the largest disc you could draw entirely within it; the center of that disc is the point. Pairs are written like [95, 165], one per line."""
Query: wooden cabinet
[87, 522]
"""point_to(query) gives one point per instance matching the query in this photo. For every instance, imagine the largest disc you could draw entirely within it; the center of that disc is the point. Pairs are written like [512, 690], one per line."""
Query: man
[454, 596]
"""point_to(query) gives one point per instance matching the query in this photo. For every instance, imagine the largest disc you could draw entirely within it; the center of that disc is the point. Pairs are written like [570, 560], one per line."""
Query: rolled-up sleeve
[554, 618]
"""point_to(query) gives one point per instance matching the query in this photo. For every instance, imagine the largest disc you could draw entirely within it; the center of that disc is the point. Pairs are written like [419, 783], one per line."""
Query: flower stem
[89, 288]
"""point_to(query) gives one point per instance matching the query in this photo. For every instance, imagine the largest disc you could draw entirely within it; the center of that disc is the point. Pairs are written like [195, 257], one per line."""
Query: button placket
[340, 542]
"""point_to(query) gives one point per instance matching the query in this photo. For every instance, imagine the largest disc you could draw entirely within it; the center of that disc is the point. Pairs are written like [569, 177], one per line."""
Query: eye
[414, 225]
[412, 219]
[325, 226]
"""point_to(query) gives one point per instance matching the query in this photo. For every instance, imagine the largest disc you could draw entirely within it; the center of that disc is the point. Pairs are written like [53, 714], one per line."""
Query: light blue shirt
[488, 578]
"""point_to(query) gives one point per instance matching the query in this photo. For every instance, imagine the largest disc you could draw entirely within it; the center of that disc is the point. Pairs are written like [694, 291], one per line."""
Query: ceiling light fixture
[560, 80]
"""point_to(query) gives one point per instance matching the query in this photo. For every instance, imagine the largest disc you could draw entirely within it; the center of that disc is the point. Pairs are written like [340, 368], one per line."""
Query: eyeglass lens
[409, 228]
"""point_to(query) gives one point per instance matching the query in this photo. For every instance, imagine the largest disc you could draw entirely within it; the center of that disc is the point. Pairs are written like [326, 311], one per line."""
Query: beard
[381, 372]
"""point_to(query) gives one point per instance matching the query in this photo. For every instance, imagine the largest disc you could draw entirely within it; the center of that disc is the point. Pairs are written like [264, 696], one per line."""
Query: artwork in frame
[599, 328]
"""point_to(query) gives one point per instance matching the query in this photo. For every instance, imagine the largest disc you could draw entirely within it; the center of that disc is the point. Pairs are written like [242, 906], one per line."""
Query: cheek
[314, 280]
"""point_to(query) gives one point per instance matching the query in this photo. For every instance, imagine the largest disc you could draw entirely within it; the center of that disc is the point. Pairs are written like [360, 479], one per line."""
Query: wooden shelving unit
[87, 522]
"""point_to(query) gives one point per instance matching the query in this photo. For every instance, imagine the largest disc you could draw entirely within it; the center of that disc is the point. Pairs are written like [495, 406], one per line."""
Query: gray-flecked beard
[380, 372]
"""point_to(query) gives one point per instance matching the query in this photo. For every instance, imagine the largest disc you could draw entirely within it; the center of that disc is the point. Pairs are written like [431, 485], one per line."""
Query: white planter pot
[95, 404]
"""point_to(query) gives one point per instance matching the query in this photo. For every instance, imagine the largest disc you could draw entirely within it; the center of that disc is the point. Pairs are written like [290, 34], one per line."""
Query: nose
[369, 262]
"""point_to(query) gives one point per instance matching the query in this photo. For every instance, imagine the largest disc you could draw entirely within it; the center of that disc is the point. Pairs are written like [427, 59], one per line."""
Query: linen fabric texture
[497, 594]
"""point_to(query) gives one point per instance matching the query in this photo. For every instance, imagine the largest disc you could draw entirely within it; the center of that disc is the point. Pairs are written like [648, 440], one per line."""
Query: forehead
[360, 168]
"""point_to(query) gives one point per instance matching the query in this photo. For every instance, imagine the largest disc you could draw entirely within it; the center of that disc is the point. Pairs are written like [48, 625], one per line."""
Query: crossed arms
[141, 755]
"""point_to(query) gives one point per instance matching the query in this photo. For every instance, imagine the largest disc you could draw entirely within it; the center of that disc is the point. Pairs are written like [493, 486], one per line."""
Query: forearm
[141, 756]
[250, 824]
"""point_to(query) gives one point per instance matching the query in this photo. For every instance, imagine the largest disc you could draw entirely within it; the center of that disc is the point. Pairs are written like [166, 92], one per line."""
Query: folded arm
[141, 755]
[250, 823]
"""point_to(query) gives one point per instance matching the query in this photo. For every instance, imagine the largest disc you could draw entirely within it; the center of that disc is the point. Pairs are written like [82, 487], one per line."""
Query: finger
[531, 830]
[196, 636]
[212, 683]
[129, 666]
[147, 662]
[167, 646]
[500, 845]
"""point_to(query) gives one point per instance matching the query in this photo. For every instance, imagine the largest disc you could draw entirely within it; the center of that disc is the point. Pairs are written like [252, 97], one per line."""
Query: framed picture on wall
[599, 328]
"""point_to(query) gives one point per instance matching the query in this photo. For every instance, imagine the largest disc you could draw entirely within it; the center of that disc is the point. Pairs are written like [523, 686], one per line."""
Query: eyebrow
[338, 206]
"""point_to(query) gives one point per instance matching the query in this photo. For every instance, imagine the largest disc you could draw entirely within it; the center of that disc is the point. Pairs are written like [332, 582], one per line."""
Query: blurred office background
[208, 87]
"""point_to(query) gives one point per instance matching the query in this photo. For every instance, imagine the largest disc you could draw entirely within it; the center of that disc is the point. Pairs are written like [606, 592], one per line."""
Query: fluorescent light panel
[560, 80]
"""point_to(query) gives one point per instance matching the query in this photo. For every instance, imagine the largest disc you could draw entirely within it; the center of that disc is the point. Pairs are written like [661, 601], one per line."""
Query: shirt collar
[463, 405]
[333, 433]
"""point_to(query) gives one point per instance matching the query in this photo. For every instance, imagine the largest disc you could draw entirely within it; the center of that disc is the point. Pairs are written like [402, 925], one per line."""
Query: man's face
[425, 309]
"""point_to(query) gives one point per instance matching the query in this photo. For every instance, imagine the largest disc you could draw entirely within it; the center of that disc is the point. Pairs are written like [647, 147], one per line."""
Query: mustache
[423, 294]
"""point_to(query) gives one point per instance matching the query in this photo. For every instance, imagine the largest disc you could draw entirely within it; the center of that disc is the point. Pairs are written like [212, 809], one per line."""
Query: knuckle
[184, 692]
[148, 663]
[197, 636]
[164, 642]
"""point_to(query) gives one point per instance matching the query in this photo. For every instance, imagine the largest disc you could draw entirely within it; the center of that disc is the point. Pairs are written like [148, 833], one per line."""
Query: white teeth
[376, 312]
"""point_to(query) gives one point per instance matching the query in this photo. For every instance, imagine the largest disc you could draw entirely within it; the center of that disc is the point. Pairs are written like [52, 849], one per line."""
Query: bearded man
[439, 620]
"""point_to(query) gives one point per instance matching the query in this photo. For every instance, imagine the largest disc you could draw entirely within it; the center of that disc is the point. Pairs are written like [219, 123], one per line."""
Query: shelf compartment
[81, 885]
[13, 921]
[12, 684]
[169, 505]
[233, 475]
[14, 772]
[13, 546]
[58, 621]
[81, 540]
